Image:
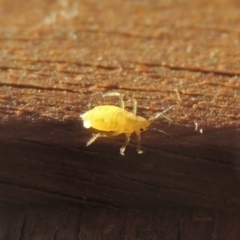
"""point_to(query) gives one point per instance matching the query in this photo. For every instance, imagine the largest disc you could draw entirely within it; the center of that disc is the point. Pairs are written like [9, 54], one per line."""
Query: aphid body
[113, 120]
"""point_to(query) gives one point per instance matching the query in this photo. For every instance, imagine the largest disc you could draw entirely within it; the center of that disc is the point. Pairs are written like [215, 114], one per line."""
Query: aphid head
[143, 124]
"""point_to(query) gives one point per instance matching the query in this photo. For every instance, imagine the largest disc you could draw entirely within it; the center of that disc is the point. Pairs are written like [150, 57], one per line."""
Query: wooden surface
[59, 57]
[61, 222]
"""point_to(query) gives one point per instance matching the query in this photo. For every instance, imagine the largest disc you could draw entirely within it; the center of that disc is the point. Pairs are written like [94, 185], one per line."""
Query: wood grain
[59, 57]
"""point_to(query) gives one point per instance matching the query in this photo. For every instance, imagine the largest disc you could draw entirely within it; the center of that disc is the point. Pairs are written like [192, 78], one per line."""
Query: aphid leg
[92, 139]
[134, 110]
[121, 102]
[122, 149]
[139, 144]
[97, 135]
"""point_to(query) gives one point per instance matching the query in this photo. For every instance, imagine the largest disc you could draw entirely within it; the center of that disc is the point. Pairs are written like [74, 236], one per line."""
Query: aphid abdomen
[109, 118]
[123, 121]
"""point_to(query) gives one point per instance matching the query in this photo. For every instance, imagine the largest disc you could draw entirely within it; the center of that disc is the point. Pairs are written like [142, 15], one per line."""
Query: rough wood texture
[58, 57]
[117, 224]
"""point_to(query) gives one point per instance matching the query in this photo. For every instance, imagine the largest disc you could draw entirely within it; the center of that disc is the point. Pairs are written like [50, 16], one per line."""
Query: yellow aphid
[112, 121]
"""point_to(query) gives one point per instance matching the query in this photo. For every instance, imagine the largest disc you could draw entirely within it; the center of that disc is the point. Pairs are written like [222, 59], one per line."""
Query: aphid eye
[141, 129]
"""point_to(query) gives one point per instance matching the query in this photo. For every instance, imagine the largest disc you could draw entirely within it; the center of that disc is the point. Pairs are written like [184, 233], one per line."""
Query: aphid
[112, 121]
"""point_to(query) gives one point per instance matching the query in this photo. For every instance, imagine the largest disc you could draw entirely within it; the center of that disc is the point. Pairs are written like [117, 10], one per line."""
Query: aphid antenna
[151, 119]
[161, 131]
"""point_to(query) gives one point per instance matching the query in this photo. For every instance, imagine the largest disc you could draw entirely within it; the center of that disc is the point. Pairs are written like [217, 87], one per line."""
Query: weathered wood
[57, 60]
[49, 171]
[62, 222]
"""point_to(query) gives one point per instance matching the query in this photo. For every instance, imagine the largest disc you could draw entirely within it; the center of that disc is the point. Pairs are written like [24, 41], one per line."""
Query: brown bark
[59, 57]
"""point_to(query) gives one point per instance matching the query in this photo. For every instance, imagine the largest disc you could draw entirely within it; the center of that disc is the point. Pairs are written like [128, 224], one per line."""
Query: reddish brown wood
[58, 58]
